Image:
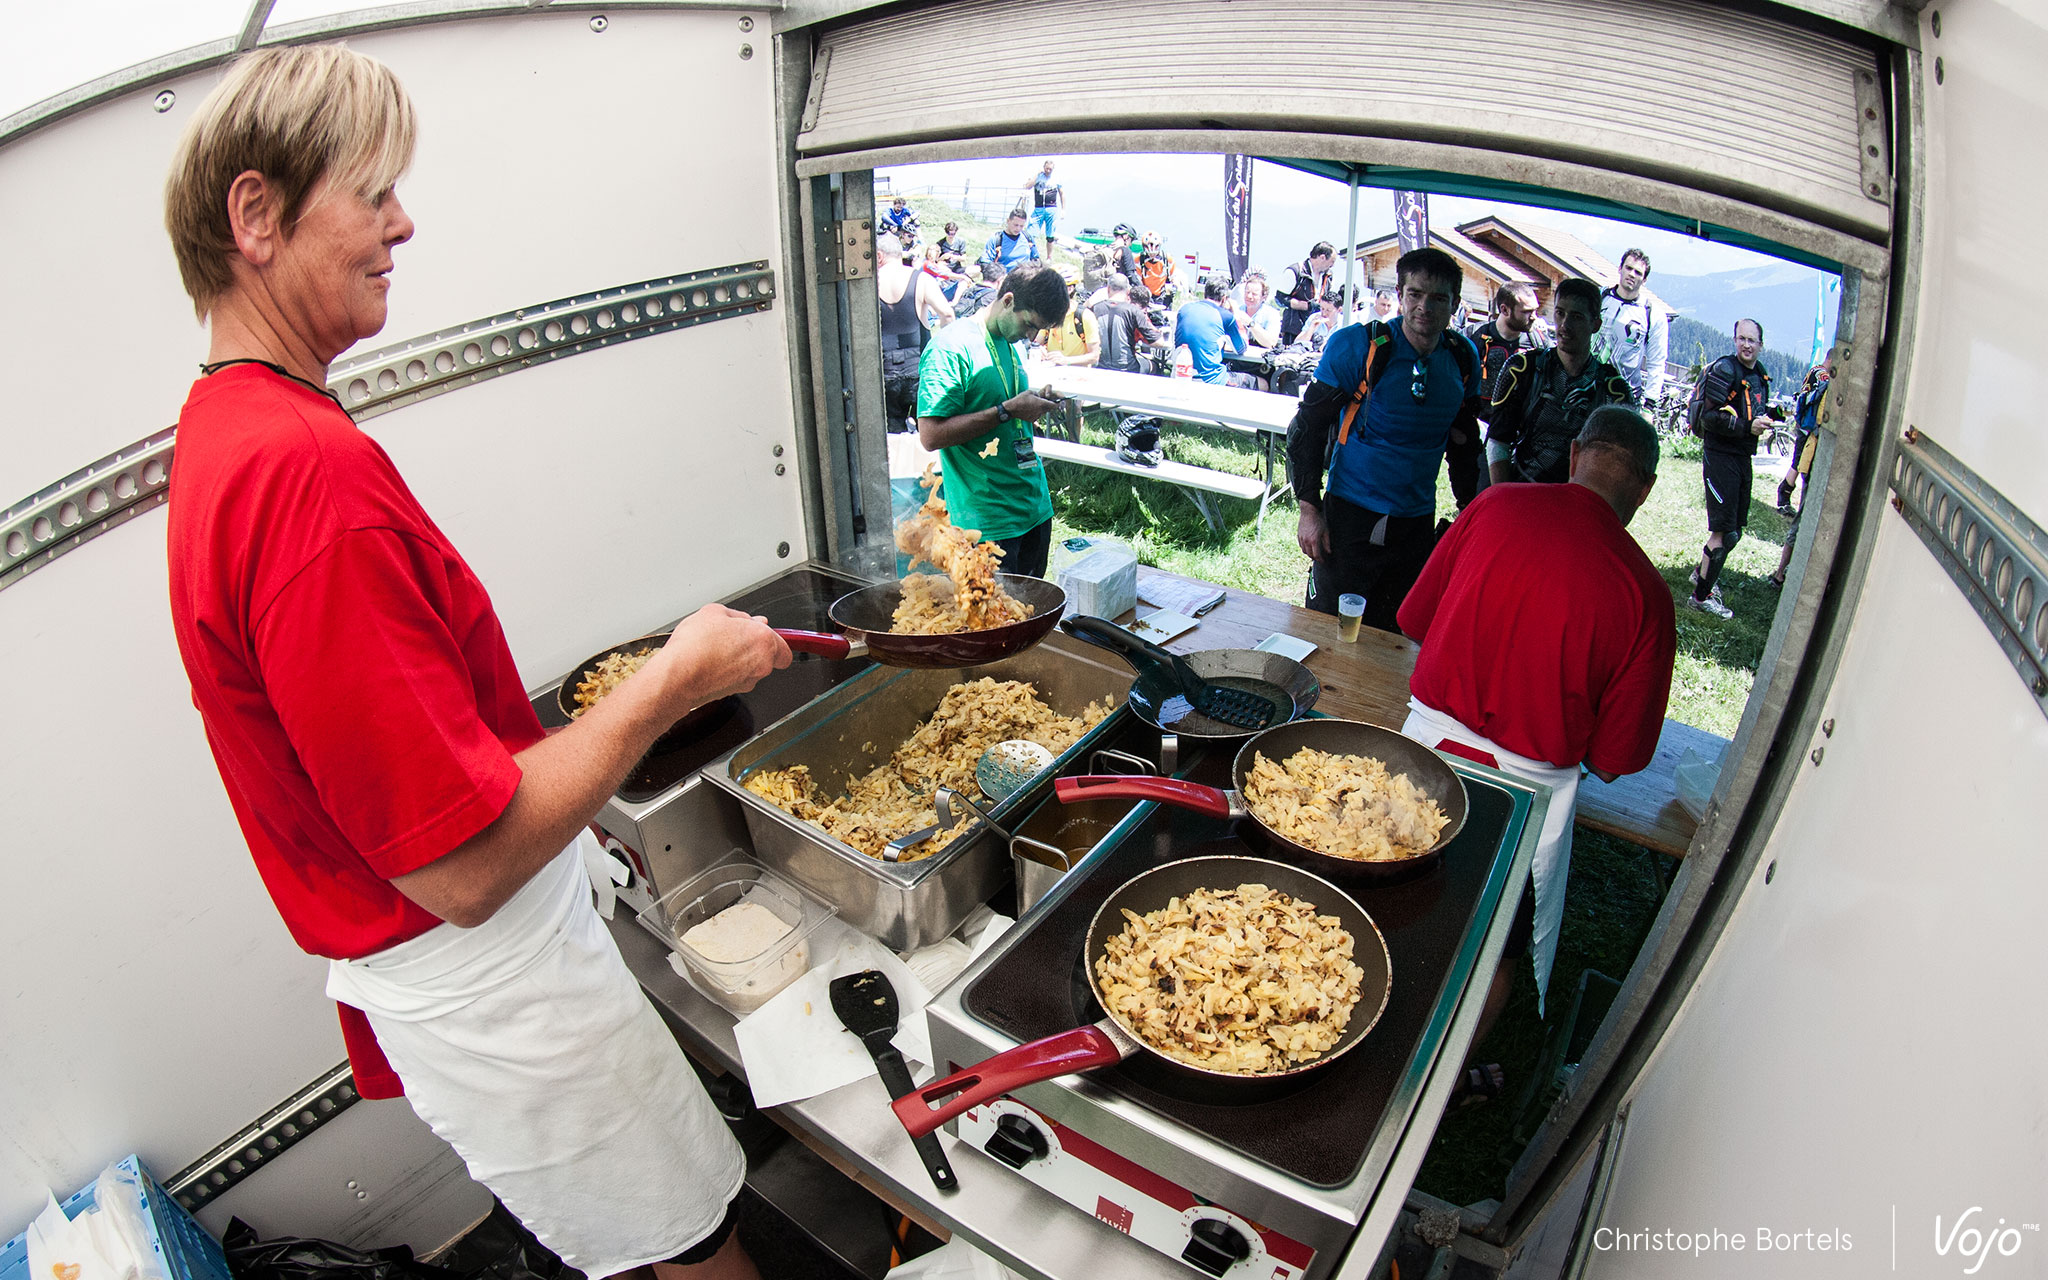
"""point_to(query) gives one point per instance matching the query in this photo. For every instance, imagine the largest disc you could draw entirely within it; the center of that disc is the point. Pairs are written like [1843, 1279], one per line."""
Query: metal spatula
[866, 1005]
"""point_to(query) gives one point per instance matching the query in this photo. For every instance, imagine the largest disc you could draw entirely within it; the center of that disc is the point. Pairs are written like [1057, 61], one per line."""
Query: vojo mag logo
[1974, 1239]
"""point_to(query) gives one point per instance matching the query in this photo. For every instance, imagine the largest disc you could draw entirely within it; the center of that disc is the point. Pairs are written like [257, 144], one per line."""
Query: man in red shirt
[1547, 641]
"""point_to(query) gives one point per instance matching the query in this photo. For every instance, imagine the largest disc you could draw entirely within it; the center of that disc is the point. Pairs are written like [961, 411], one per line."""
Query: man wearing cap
[1547, 642]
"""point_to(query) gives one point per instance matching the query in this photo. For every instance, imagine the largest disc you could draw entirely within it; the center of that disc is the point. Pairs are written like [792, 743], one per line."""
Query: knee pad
[1728, 541]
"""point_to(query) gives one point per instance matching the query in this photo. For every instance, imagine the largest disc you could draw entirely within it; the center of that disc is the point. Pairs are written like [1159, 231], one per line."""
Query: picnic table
[1259, 414]
[1368, 680]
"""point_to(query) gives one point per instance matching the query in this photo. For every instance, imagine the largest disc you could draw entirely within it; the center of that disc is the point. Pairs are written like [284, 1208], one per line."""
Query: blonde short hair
[294, 115]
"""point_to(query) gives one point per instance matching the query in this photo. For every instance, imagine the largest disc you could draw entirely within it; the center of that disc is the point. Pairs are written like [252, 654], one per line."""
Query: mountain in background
[1779, 296]
[1695, 345]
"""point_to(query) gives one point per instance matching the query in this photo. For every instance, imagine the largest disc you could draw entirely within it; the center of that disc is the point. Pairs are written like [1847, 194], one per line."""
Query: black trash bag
[293, 1258]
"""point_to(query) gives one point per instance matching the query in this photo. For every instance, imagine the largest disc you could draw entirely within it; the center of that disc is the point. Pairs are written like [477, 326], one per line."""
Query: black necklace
[208, 370]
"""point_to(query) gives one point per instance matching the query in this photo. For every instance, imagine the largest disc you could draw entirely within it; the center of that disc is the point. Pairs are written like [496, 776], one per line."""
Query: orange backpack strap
[1377, 354]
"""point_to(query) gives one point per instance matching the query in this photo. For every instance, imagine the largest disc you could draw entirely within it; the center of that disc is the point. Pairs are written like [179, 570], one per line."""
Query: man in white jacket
[1635, 333]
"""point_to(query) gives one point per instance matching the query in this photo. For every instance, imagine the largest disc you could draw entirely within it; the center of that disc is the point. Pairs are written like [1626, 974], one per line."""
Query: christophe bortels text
[1762, 1240]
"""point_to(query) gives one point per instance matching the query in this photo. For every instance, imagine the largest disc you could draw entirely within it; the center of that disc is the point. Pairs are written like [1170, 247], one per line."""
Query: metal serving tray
[855, 727]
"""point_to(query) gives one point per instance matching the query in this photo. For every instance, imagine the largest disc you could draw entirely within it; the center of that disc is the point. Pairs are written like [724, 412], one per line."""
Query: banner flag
[1237, 214]
[1411, 219]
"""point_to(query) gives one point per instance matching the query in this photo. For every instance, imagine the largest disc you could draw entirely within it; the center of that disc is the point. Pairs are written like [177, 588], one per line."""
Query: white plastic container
[740, 983]
[1101, 579]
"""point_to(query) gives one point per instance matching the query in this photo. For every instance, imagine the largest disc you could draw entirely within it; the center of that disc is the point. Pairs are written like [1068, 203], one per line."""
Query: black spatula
[1236, 707]
[866, 1005]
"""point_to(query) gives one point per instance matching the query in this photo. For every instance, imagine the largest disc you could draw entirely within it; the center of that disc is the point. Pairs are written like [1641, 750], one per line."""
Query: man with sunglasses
[1385, 399]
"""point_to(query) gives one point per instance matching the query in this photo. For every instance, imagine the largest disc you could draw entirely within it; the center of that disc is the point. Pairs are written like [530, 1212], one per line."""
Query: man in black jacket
[1734, 394]
[1542, 398]
[1123, 326]
[1311, 280]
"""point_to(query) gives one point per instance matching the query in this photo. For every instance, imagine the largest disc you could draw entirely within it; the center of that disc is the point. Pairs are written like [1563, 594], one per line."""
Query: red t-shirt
[1545, 628]
[355, 686]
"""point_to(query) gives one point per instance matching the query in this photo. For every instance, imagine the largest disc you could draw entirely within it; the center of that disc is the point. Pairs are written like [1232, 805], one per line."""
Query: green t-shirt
[1001, 490]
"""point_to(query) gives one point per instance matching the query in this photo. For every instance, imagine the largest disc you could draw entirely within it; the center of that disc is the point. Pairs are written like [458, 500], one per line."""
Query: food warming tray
[856, 726]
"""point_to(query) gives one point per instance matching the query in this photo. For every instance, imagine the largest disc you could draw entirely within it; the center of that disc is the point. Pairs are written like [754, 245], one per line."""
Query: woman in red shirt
[411, 819]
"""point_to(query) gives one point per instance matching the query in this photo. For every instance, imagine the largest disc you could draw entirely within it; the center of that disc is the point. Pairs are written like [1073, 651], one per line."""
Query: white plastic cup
[1350, 610]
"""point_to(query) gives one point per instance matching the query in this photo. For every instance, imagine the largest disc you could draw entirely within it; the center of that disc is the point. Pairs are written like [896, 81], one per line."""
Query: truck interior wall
[1859, 1043]
[151, 999]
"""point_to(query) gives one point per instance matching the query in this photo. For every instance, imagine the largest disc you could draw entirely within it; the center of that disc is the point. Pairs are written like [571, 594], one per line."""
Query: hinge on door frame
[1873, 146]
[852, 256]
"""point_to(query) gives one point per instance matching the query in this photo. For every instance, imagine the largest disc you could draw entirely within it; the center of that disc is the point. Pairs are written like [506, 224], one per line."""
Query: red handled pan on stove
[865, 616]
[1112, 1040]
[1400, 753]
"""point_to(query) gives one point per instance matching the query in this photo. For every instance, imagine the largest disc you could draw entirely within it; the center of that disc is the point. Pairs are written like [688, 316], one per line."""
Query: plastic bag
[293, 1258]
[109, 1241]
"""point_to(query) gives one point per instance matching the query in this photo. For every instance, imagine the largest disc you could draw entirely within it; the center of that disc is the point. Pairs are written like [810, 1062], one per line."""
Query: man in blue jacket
[1385, 398]
[1012, 245]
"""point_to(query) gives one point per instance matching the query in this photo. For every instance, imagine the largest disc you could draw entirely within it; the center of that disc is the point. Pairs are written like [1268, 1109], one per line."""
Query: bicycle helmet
[1126, 230]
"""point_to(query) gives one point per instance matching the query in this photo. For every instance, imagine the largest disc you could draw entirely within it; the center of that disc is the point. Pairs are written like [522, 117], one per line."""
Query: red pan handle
[1054, 1056]
[1114, 786]
[823, 643]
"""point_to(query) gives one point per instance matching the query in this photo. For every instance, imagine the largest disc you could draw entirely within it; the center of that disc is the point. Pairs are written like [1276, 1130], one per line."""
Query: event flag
[1827, 294]
[1237, 213]
[1411, 219]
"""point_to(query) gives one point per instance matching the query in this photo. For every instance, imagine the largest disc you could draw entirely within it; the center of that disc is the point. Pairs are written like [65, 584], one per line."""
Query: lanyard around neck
[1004, 367]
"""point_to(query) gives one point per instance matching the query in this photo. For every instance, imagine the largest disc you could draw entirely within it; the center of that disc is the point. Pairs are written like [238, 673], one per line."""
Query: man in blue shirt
[1201, 327]
[1383, 444]
[1012, 245]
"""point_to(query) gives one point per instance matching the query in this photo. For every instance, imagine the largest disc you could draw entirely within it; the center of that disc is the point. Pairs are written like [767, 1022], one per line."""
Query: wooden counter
[1368, 681]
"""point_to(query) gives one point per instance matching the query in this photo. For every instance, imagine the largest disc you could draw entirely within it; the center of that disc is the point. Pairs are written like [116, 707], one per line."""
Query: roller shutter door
[1743, 106]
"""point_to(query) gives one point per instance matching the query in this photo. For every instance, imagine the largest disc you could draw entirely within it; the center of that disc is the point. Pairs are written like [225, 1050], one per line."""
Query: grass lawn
[1614, 887]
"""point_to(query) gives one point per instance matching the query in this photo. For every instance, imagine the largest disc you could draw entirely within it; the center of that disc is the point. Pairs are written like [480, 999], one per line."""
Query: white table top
[1183, 398]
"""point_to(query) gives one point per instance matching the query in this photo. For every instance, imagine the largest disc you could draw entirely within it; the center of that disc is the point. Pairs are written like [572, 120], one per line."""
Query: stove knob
[1214, 1246]
[1016, 1142]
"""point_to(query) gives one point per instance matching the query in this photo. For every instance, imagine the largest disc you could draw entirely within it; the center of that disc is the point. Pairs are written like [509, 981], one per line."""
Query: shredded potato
[969, 596]
[896, 798]
[1246, 980]
[607, 676]
[1344, 806]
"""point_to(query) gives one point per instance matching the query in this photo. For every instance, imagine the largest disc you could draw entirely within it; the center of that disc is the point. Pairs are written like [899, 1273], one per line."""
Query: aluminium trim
[84, 505]
[275, 1132]
[408, 372]
[1990, 548]
[114, 490]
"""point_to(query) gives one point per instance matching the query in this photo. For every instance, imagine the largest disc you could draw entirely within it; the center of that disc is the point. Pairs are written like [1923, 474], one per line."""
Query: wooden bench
[1195, 482]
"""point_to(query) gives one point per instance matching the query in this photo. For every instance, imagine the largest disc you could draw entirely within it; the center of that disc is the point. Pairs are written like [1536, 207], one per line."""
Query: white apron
[526, 1044]
[1553, 862]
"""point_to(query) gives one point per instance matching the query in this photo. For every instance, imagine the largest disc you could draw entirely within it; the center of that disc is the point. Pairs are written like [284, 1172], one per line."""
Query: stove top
[1318, 1128]
[800, 599]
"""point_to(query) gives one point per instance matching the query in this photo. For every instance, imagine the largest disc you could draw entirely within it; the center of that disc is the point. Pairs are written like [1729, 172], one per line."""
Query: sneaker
[1692, 585]
[1709, 606]
[1785, 502]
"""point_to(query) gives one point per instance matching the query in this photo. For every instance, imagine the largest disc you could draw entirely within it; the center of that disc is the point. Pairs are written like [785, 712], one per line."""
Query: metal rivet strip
[275, 1133]
[84, 505]
[123, 485]
[377, 381]
[1992, 549]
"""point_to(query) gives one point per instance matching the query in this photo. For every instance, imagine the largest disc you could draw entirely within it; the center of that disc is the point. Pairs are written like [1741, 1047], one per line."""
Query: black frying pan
[1400, 753]
[1111, 1040]
[695, 722]
[1156, 694]
[865, 616]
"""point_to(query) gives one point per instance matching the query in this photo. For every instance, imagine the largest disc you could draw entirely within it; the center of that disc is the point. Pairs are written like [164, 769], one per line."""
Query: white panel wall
[1978, 379]
[1867, 1038]
[149, 998]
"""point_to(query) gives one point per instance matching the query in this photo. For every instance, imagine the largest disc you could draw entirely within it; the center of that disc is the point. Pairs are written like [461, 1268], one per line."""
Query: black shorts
[707, 1248]
[1728, 477]
[1028, 552]
[1379, 568]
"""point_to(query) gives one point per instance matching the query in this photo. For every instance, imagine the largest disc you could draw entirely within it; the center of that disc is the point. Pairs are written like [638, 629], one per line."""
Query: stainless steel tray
[855, 727]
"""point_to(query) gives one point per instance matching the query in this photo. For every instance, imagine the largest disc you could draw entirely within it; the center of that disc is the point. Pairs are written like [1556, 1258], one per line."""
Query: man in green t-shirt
[975, 409]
